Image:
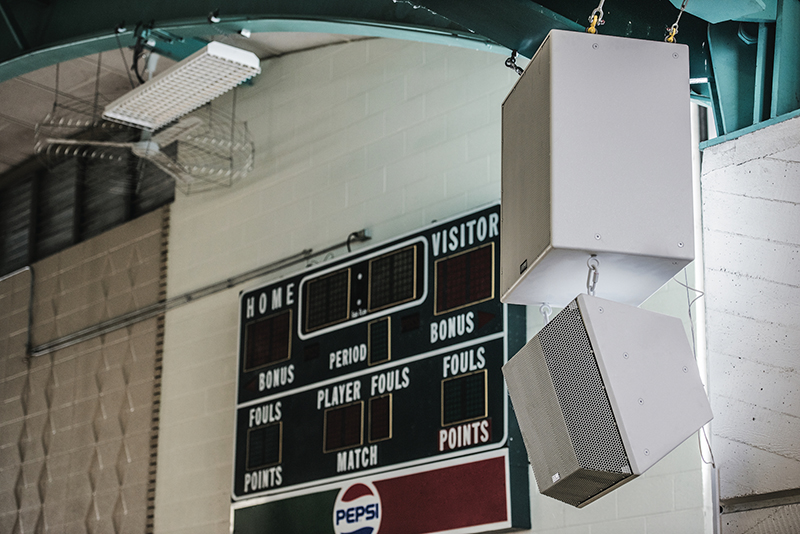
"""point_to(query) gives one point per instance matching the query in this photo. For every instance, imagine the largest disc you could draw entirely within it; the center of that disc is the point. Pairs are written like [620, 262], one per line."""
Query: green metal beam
[734, 76]
[65, 29]
[515, 24]
[786, 69]
[11, 25]
[755, 70]
[199, 33]
[762, 81]
[747, 82]
[716, 11]
[522, 25]
[60, 30]
[642, 20]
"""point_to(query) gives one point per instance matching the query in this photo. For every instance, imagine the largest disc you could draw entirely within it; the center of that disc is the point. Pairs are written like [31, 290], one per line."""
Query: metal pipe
[158, 308]
[12, 26]
[14, 273]
[29, 342]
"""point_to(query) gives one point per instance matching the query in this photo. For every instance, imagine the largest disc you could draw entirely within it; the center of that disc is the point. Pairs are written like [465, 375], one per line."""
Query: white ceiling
[27, 99]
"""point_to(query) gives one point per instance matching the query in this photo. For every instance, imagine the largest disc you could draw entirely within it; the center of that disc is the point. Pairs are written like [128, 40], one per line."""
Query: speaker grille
[539, 415]
[581, 393]
[564, 413]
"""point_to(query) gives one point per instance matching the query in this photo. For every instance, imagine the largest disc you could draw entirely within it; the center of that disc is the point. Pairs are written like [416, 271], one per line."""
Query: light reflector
[187, 85]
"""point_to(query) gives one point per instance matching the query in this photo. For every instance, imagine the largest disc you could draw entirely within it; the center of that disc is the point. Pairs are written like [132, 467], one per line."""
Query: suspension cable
[596, 18]
[672, 31]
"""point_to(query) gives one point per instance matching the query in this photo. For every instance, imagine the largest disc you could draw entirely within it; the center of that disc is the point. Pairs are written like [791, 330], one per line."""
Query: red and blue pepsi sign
[357, 510]
[469, 497]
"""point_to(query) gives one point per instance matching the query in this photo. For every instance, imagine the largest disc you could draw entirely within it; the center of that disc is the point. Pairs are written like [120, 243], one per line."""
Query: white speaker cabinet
[596, 159]
[601, 393]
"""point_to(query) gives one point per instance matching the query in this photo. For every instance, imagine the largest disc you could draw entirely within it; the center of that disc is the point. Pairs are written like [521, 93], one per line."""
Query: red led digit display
[343, 426]
[379, 341]
[393, 278]
[380, 418]
[328, 300]
[464, 398]
[464, 279]
[267, 340]
[264, 446]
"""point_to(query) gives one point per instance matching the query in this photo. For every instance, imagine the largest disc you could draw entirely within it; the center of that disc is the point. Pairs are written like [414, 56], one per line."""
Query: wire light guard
[187, 85]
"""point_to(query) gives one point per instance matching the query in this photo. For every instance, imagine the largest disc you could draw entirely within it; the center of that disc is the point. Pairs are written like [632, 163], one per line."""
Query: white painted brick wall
[388, 135]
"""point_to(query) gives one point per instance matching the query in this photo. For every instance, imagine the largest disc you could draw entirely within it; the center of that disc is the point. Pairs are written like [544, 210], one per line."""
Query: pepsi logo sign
[357, 510]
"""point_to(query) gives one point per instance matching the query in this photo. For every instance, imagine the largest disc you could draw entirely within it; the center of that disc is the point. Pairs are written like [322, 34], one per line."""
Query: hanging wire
[124, 61]
[55, 100]
[142, 35]
[138, 51]
[138, 176]
[233, 127]
[97, 87]
[596, 18]
[712, 463]
[701, 293]
[351, 236]
[691, 301]
[672, 31]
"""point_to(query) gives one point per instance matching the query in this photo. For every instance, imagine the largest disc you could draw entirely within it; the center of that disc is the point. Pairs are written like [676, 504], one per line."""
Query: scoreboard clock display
[377, 367]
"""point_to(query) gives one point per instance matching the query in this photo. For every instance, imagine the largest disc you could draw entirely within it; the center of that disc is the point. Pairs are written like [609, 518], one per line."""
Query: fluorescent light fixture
[187, 85]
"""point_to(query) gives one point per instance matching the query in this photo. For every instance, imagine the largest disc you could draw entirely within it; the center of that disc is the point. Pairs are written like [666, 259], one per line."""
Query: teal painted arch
[35, 35]
[194, 37]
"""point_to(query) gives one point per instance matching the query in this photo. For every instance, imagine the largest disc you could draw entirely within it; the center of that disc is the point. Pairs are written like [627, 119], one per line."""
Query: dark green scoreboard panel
[385, 359]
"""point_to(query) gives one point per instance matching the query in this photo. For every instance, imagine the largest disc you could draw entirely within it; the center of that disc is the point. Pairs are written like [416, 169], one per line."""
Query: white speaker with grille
[601, 393]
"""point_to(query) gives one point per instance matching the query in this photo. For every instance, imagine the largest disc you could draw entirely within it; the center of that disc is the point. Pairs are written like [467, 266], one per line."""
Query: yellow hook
[671, 33]
[592, 28]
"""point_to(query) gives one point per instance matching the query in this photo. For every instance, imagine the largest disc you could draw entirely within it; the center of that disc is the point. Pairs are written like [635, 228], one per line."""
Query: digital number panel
[364, 288]
[386, 358]
[380, 418]
[465, 279]
[327, 300]
[384, 418]
[393, 279]
[268, 340]
[344, 427]
[379, 342]
[366, 338]
[464, 398]
[264, 446]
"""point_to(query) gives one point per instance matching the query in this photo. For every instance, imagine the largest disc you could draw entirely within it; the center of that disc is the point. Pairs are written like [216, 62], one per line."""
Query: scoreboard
[384, 362]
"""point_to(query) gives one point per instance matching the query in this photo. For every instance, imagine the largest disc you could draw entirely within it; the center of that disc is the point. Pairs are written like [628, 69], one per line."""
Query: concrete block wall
[76, 424]
[99, 279]
[751, 209]
[382, 134]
